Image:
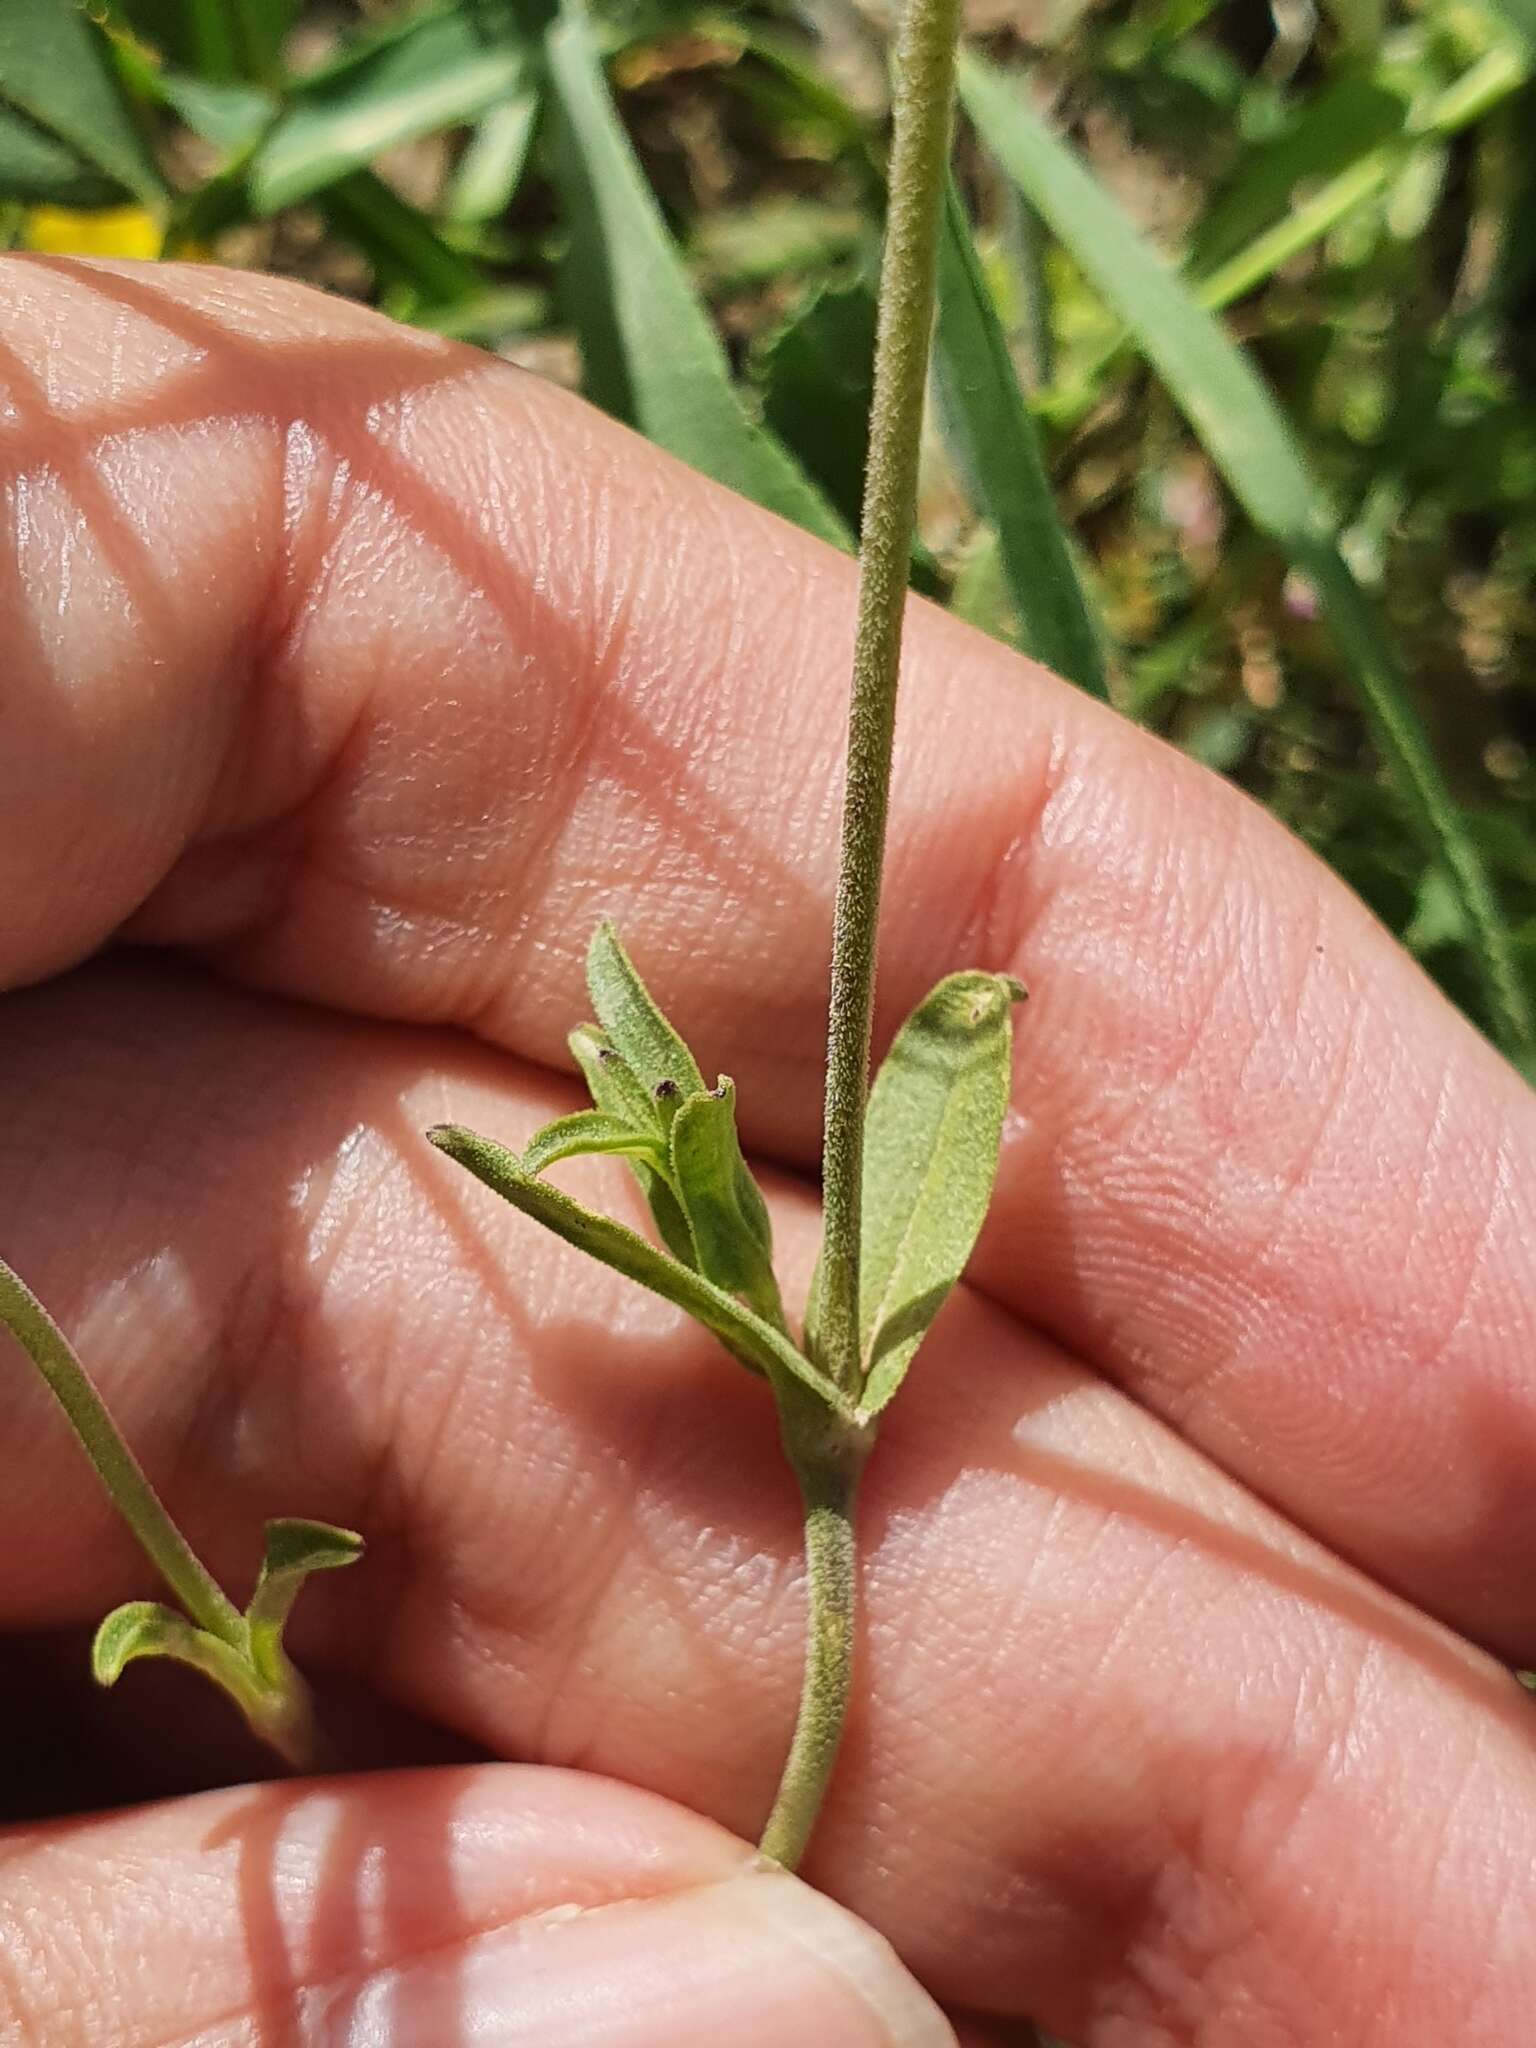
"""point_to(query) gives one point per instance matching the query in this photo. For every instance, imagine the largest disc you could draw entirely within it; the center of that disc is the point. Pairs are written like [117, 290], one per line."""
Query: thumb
[495, 1904]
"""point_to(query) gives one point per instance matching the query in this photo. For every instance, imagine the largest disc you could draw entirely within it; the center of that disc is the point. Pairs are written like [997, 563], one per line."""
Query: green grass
[1235, 419]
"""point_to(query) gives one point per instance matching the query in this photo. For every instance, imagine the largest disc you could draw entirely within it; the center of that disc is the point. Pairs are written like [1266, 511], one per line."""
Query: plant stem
[924, 102]
[119, 1470]
[827, 1464]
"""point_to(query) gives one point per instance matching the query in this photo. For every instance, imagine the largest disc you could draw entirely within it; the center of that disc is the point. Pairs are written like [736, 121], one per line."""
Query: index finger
[382, 672]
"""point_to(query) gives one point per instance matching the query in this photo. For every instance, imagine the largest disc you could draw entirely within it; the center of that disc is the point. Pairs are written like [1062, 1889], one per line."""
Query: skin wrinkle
[1460, 1291]
[1078, 1889]
[535, 1921]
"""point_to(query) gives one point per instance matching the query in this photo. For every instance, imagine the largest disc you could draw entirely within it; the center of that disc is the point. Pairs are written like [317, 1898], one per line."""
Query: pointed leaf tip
[635, 1026]
[295, 1544]
[295, 1547]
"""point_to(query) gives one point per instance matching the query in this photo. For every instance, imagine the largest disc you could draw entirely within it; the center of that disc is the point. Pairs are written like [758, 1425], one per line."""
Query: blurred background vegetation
[1235, 413]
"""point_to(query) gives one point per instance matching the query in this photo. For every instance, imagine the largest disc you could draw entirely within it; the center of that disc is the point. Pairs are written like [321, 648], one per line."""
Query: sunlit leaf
[428, 72]
[930, 1157]
[988, 426]
[640, 1034]
[295, 1547]
[745, 1335]
[588, 1131]
[145, 1628]
[1248, 438]
[487, 175]
[650, 353]
[723, 1203]
[615, 1088]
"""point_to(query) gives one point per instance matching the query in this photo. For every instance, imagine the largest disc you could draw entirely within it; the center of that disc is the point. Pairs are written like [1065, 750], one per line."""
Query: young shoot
[242, 1652]
[908, 1167]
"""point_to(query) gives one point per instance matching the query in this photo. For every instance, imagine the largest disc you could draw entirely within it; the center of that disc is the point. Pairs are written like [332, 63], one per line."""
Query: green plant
[1299, 542]
[241, 1652]
[907, 1166]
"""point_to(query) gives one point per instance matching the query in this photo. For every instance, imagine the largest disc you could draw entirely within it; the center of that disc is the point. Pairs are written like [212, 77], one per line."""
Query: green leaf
[640, 1034]
[221, 40]
[817, 379]
[40, 168]
[816, 376]
[930, 1157]
[755, 1343]
[487, 175]
[723, 1203]
[588, 1130]
[615, 1089]
[429, 72]
[992, 435]
[1521, 17]
[229, 116]
[145, 1628]
[613, 1083]
[399, 241]
[1243, 430]
[55, 72]
[1342, 123]
[650, 353]
[295, 1547]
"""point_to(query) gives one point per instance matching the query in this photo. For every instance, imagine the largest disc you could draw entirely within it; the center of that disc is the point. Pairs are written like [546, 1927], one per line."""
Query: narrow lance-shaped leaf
[641, 1035]
[616, 1089]
[930, 1157]
[1247, 437]
[487, 175]
[429, 72]
[723, 1203]
[589, 1131]
[989, 427]
[745, 1335]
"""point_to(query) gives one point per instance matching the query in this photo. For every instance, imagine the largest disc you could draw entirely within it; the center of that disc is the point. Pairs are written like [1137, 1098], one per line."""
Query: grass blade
[651, 355]
[1247, 438]
[400, 242]
[992, 435]
[55, 72]
[434, 71]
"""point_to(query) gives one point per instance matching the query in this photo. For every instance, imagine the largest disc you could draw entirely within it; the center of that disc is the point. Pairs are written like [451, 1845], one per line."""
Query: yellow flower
[109, 231]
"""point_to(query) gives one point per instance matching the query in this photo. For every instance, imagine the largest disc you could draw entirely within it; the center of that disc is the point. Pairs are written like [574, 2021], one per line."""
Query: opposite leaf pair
[931, 1143]
[246, 1656]
[243, 1653]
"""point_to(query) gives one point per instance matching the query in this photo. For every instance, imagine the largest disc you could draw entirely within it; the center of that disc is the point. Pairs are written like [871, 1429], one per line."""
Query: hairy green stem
[827, 1466]
[924, 102]
[118, 1469]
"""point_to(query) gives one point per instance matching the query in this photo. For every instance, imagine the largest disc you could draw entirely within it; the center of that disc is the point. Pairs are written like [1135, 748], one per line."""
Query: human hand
[351, 678]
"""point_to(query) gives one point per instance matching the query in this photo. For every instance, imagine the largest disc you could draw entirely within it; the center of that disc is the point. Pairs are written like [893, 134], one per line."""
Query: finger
[1127, 1752]
[383, 671]
[496, 1903]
